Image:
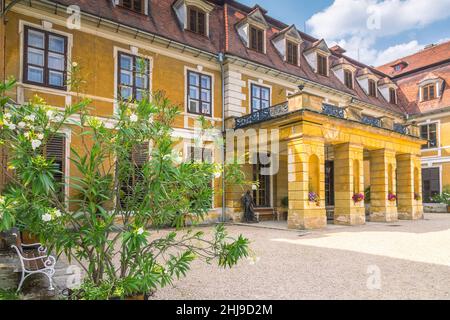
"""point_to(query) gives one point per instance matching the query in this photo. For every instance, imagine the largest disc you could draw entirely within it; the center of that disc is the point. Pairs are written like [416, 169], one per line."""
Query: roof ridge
[433, 46]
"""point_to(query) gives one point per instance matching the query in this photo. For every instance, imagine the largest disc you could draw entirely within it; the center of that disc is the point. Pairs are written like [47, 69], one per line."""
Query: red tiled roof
[163, 22]
[409, 90]
[427, 57]
[272, 59]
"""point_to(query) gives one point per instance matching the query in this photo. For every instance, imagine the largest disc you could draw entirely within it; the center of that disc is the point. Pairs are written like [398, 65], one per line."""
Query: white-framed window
[45, 56]
[199, 93]
[430, 132]
[202, 154]
[260, 97]
[133, 77]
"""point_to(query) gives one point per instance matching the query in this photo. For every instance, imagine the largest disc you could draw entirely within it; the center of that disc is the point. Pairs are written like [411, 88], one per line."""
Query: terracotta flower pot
[29, 238]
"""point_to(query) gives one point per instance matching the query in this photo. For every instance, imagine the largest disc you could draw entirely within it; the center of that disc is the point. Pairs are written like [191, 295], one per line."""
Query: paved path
[405, 260]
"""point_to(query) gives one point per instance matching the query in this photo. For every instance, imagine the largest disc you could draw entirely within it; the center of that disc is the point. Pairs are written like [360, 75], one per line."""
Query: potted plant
[443, 198]
[314, 197]
[392, 197]
[113, 228]
[358, 197]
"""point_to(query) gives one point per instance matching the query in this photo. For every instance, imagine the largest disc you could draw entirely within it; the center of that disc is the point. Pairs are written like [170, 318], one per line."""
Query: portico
[374, 155]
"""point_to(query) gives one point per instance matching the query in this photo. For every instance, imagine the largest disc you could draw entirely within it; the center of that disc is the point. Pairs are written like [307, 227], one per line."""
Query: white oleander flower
[74, 64]
[58, 213]
[36, 144]
[217, 174]
[58, 118]
[47, 217]
[140, 231]
[30, 117]
[11, 126]
[40, 136]
[27, 134]
[109, 125]
[7, 115]
[50, 114]
[134, 117]
[21, 124]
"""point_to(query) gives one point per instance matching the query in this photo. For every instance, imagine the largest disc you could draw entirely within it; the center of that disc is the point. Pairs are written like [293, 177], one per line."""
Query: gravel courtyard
[404, 260]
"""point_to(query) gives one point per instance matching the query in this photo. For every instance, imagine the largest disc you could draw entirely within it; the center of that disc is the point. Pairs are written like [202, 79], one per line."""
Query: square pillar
[382, 181]
[306, 172]
[349, 180]
[409, 187]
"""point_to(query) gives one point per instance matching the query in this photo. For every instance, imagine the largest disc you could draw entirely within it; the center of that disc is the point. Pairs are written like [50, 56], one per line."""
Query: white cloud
[357, 25]
[397, 51]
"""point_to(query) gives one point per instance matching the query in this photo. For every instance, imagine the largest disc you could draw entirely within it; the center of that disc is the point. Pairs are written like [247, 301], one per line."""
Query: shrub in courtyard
[127, 183]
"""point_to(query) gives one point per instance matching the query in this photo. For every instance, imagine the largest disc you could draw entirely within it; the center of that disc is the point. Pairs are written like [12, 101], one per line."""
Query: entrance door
[329, 188]
[261, 196]
[431, 184]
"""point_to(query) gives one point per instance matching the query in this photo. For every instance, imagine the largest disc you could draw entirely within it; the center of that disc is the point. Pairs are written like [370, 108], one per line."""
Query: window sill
[41, 85]
[204, 36]
[142, 13]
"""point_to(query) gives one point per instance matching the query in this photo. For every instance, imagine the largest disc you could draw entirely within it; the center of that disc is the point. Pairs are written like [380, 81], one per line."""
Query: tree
[111, 224]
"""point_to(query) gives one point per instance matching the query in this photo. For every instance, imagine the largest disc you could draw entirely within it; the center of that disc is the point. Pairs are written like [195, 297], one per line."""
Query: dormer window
[322, 65]
[348, 79]
[287, 42]
[372, 88]
[256, 39]
[429, 92]
[196, 21]
[392, 96]
[134, 5]
[292, 52]
[194, 15]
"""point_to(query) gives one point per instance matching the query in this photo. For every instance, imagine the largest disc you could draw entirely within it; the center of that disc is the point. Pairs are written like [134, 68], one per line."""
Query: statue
[249, 211]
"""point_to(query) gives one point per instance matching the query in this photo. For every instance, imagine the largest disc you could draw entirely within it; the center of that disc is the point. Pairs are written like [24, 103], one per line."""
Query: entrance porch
[330, 166]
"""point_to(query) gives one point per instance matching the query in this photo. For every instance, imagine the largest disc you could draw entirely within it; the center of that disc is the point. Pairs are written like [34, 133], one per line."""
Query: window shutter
[192, 20]
[253, 40]
[140, 154]
[55, 150]
[201, 23]
[260, 41]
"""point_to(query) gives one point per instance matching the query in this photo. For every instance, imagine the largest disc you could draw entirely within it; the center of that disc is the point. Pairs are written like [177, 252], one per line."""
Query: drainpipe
[221, 60]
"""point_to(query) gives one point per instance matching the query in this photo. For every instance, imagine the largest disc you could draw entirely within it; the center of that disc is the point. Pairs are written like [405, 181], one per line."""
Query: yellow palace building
[342, 127]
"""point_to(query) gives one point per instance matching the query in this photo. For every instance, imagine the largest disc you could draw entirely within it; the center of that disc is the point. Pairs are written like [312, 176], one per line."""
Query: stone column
[382, 169]
[306, 155]
[348, 180]
[409, 187]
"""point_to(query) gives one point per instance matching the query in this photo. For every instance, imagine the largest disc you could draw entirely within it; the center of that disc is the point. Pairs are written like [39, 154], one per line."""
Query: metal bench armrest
[49, 261]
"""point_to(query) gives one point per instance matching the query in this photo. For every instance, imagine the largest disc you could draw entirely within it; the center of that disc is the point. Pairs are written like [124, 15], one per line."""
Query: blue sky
[376, 31]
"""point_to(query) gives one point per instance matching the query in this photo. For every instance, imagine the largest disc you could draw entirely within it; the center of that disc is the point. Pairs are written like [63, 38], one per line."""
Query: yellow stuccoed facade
[95, 51]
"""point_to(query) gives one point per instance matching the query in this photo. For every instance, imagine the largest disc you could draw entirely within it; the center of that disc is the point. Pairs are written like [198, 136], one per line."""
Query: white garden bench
[34, 261]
